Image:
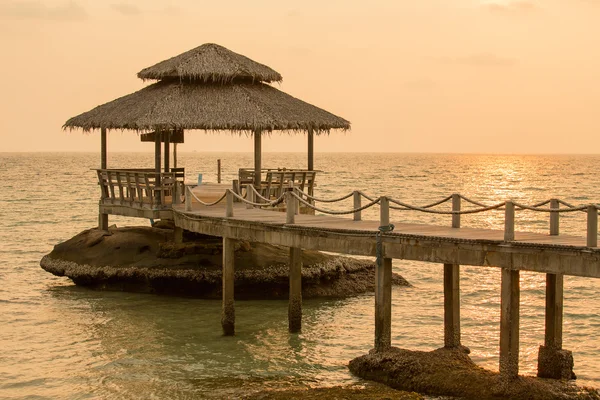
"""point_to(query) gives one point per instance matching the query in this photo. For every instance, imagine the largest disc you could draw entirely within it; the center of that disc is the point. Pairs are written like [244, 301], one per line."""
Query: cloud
[514, 7]
[484, 60]
[70, 11]
[126, 9]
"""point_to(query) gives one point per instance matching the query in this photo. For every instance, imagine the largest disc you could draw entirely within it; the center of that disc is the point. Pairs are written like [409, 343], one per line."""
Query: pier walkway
[251, 217]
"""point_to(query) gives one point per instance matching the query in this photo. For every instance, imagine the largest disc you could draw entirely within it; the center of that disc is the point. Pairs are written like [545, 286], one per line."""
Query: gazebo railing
[142, 188]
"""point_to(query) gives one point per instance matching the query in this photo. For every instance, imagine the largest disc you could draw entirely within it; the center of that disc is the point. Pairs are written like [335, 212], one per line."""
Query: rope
[476, 203]
[207, 204]
[271, 203]
[437, 203]
[307, 204]
[543, 203]
[474, 211]
[309, 197]
[256, 194]
[558, 210]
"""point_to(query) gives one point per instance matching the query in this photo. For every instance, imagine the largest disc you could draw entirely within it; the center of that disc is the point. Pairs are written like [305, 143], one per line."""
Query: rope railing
[332, 212]
[293, 198]
[269, 203]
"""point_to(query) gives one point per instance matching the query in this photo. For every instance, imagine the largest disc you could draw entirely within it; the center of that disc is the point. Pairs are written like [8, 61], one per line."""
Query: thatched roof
[171, 104]
[210, 63]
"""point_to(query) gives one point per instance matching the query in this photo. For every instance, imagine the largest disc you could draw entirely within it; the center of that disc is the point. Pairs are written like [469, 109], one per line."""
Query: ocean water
[59, 341]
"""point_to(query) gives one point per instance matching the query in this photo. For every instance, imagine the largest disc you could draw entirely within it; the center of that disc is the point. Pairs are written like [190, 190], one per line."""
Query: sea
[61, 341]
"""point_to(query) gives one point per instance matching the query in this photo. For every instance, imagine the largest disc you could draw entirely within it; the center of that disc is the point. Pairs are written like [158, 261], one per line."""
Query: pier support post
[451, 305]
[452, 291]
[383, 290]
[509, 325]
[553, 361]
[228, 311]
[295, 306]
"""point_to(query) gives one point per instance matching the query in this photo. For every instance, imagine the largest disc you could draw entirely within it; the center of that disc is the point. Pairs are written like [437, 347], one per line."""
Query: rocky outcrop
[447, 372]
[144, 259]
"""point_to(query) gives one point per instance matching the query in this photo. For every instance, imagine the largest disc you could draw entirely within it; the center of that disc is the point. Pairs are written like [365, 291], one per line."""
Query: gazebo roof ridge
[210, 62]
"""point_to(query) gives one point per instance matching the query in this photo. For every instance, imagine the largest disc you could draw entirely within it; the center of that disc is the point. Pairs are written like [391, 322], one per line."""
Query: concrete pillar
[295, 306]
[451, 305]
[509, 324]
[228, 311]
[553, 361]
[383, 291]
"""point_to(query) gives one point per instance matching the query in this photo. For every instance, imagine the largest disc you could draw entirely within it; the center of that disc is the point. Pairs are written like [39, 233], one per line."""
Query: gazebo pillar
[157, 160]
[257, 158]
[311, 149]
[103, 218]
[167, 155]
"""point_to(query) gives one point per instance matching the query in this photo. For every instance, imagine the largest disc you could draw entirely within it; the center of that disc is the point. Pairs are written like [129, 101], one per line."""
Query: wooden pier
[451, 246]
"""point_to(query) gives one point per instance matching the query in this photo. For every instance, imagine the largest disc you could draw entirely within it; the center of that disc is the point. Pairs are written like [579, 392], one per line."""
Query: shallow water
[62, 341]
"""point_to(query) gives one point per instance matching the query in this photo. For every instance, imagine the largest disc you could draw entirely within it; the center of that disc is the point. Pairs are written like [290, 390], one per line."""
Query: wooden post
[249, 196]
[175, 155]
[157, 162]
[295, 305]
[383, 290]
[228, 310]
[290, 204]
[592, 226]
[103, 218]
[229, 207]
[188, 198]
[357, 200]
[452, 291]
[554, 217]
[257, 159]
[509, 324]
[219, 170]
[167, 166]
[311, 149]
[456, 207]
[509, 221]
[176, 192]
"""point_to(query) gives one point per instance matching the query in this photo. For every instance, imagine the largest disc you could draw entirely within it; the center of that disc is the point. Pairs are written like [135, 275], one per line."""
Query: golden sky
[456, 76]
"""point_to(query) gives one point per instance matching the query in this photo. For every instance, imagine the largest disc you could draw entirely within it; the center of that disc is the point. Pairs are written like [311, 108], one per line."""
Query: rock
[145, 259]
[368, 391]
[556, 364]
[451, 372]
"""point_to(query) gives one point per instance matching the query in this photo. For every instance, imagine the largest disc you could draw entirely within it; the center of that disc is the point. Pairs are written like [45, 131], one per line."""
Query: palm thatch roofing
[211, 63]
[169, 105]
[209, 88]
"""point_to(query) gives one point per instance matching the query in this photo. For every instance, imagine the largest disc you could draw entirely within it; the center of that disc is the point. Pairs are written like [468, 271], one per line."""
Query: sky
[441, 76]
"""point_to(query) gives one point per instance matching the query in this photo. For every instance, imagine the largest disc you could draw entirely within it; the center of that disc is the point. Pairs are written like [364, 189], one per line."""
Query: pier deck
[538, 252]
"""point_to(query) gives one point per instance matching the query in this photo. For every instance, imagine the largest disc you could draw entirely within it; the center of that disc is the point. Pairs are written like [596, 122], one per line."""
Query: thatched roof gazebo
[209, 88]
